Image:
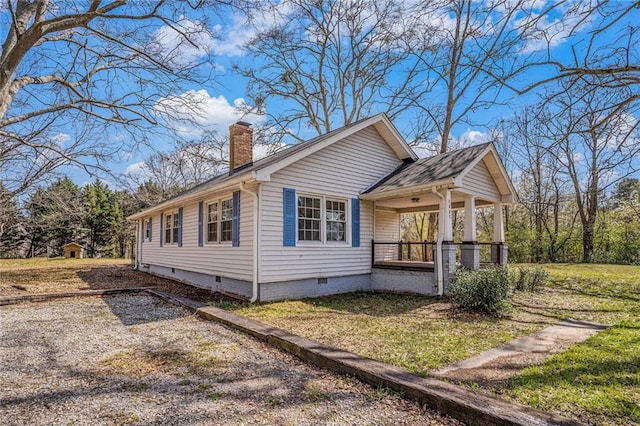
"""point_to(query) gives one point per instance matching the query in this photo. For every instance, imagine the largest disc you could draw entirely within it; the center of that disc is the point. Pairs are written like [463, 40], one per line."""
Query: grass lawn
[596, 381]
[56, 262]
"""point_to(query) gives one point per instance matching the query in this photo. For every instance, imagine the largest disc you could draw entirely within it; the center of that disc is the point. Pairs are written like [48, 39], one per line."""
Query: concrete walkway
[470, 407]
[547, 341]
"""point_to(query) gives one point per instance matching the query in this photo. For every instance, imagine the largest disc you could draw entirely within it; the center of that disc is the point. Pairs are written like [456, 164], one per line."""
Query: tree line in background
[573, 150]
[93, 216]
[543, 227]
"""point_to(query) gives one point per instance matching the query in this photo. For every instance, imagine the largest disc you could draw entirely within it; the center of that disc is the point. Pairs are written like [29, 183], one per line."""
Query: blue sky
[226, 90]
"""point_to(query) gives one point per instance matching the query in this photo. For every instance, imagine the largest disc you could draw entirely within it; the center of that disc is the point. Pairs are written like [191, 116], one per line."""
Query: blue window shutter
[200, 222]
[180, 227]
[289, 217]
[355, 222]
[150, 228]
[161, 226]
[235, 220]
[142, 222]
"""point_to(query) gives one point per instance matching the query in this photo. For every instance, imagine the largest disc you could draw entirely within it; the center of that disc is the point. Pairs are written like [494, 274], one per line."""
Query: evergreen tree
[101, 216]
[55, 217]
[12, 229]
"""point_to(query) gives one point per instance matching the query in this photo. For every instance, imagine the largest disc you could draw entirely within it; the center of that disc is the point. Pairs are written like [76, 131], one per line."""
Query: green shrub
[485, 290]
[529, 279]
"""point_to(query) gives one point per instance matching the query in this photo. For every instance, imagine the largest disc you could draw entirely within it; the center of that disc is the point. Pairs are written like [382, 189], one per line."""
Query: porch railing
[385, 253]
[486, 254]
[400, 251]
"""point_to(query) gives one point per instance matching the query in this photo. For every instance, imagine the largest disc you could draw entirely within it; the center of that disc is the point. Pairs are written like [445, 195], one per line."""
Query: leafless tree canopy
[334, 62]
[74, 73]
[605, 53]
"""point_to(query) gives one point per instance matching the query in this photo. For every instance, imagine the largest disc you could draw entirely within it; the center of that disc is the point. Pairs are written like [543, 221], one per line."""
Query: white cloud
[195, 112]
[555, 27]
[182, 44]
[473, 137]
[59, 140]
[260, 151]
[233, 37]
[138, 170]
[468, 138]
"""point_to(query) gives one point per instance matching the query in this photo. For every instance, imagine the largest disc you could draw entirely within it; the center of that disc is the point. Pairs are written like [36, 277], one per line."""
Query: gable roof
[72, 244]
[262, 169]
[430, 169]
[443, 169]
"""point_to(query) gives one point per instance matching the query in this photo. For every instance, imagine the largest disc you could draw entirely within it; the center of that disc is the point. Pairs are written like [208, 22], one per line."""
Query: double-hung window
[147, 229]
[212, 222]
[321, 219]
[309, 219]
[226, 220]
[219, 225]
[336, 220]
[171, 228]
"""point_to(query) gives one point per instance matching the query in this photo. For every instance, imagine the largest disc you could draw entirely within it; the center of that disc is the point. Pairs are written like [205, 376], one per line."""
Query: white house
[323, 217]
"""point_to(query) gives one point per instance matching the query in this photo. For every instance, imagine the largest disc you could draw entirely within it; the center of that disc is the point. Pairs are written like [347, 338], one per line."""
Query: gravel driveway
[138, 360]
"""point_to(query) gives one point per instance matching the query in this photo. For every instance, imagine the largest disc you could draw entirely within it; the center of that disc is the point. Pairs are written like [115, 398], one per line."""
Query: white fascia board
[491, 150]
[397, 144]
[467, 191]
[404, 192]
[509, 199]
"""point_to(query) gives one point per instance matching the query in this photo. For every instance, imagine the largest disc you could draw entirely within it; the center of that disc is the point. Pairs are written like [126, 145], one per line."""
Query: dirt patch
[89, 274]
[138, 360]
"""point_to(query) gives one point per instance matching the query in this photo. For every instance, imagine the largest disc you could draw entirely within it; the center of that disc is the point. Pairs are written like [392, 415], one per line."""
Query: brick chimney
[240, 145]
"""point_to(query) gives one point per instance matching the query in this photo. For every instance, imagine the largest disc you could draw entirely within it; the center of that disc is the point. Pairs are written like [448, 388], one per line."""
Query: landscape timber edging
[470, 407]
[12, 300]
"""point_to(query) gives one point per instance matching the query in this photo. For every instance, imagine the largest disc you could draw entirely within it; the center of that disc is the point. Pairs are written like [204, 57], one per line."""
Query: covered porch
[465, 180]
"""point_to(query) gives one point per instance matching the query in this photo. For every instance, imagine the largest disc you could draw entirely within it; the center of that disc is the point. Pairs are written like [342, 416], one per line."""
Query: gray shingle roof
[431, 169]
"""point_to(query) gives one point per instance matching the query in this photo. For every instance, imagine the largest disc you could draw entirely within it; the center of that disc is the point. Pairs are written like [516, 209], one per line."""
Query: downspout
[440, 273]
[139, 247]
[136, 252]
[256, 240]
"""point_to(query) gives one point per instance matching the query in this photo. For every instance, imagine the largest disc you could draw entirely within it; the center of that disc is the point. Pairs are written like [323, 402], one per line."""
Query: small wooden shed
[73, 251]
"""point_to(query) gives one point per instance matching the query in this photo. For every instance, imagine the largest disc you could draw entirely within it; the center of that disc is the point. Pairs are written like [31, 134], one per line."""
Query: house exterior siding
[480, 183]
[342, 170]
[387, 230]
[338, 168]
[221, 259]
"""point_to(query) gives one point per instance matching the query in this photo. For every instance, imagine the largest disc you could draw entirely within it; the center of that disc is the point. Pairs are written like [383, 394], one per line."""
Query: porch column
[499, 247]
[445, 226]
[444, 217]
[470, 249]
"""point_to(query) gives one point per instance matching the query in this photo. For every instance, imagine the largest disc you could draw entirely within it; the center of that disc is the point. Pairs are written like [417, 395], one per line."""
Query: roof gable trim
[511, 197]
[382, 124]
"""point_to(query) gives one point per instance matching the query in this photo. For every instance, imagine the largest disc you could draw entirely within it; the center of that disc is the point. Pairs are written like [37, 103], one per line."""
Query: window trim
[346, 220]
[146, 224]
[323, 221]
[298, 218]
[205, 222]
[170, 214]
